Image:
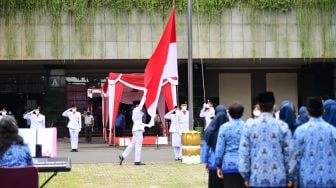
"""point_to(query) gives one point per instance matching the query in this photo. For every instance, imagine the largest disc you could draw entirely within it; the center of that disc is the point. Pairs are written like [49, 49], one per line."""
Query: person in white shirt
[175, 132]
[74, 125]
[208, 113]
[89, 123]
[183, 118]
[36, 119]
[137, 132]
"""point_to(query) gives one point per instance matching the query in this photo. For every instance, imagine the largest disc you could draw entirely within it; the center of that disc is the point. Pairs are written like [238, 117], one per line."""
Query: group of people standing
[272, 149]
[14, 152]
[36, 120]
[179, 123]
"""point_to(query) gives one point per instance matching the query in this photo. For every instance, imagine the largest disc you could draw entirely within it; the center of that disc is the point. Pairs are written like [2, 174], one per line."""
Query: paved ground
[98, 152]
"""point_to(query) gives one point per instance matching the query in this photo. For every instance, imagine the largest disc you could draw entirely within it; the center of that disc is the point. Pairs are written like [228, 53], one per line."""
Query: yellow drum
[191, 138]
[191, 151]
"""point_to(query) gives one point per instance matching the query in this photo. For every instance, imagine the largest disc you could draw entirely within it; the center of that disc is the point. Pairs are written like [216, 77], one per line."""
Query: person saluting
[74, 125]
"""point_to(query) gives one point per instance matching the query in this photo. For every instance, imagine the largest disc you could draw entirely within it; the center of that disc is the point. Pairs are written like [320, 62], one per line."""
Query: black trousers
[214, 180]
[88, 133]
[118, 131]
[233, 180]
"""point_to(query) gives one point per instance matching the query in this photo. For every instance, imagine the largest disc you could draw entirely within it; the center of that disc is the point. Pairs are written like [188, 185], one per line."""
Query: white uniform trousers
[73, 138]
[137, 144]
[176, 139]
[178, 152]
[176, 144]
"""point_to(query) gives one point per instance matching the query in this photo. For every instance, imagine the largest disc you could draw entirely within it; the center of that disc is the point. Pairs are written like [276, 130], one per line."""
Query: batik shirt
[315, 151]
[228, 145]
[265, 152]
[16, 155]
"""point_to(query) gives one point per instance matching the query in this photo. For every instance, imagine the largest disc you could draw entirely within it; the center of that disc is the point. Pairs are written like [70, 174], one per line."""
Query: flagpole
[190, 68]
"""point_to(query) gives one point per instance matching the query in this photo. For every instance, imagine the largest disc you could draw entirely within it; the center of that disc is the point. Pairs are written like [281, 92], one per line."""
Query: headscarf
[211, 132]
[302, 116]
[330, 111]
[287, 114]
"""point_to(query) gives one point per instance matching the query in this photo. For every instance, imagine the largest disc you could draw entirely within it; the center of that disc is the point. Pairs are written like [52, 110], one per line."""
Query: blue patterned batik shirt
[16, 155]
[315, 151]
[265, 152]
[228, 145]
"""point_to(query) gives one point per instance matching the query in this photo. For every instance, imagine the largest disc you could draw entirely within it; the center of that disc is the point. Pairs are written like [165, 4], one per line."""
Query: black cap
[314, 103]
[266, 97]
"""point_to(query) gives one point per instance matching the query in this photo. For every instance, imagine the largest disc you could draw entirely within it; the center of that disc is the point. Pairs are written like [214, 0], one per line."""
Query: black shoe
[76, 150]
[73, 150]
[121, 159]
[139, 163]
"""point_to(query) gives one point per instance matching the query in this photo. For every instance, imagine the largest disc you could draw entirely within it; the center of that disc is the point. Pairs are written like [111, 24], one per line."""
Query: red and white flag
[162, 65]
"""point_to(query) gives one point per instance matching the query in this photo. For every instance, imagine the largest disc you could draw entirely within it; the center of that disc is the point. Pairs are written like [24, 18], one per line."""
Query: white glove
[137, 109]
[204, 105]
[151, 123]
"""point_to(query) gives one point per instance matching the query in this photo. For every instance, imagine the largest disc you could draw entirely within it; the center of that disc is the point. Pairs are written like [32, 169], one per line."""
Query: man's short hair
[266, 101]
[236, 110]
[184, 104]
[315, 106]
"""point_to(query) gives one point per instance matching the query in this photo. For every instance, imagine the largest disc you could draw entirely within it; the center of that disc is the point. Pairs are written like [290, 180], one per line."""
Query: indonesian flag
[161, 66]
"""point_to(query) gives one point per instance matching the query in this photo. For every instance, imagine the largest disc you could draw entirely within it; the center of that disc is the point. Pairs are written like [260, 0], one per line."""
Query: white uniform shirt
[75, 119]
[37, 121]
[174, 124]
[88, 119]
[208, 114]
[183, 120]
[137, 120]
